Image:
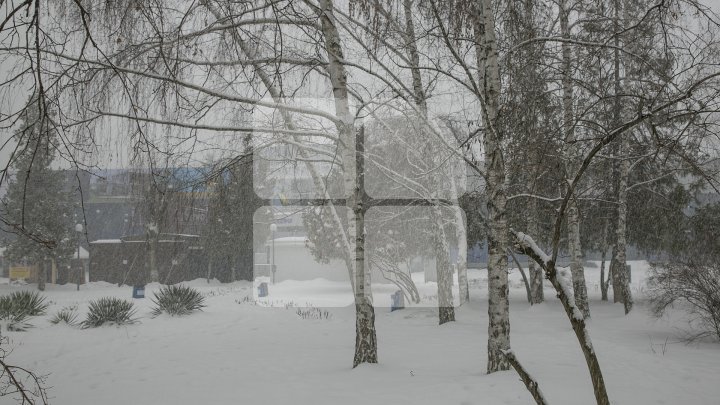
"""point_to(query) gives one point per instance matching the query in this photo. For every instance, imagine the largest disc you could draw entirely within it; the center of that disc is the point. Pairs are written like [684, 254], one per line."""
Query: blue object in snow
[139, 291]
[263, 290]
[398, 300]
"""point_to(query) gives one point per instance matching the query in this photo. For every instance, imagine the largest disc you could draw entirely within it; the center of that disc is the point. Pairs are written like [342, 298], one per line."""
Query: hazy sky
[9, 101]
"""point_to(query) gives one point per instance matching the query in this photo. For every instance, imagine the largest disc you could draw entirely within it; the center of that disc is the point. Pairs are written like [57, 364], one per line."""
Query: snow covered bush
[18, 306]
[66, 315]
[109, 310]
[177, 300]
[695, 285]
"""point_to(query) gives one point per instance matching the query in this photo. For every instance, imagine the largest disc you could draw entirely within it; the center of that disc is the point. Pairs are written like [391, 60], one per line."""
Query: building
[124, 261]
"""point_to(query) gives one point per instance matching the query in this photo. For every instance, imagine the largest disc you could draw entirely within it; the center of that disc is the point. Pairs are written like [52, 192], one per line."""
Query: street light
[79, 230]
[273, 229]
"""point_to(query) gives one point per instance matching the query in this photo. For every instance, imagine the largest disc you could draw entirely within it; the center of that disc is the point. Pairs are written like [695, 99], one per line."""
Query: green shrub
[109, 310]
[18, 306]
[177, 300]
[66, 315]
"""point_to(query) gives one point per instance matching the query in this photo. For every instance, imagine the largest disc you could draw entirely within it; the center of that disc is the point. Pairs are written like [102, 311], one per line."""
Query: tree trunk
[524, 277]
[498, 305]
[603, 284]
[42, 274]
[352, 151]
[576, 266]
[535, 272]
[414, 56]
[463, 284]
[525, 244]
[532, 386]
[461, 235]
[53, 271]
[446, 311]
[620, 274]
[365, 336]
[573, 216]
[617, 273]
[275, 92]
[615, 279]
[603, 254]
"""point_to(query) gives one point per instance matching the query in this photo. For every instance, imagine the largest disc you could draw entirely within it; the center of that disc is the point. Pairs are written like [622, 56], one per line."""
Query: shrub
[18, 306]
[177, 300]
[313, 313]
[698, 286]
[109, 310]
[66, 315]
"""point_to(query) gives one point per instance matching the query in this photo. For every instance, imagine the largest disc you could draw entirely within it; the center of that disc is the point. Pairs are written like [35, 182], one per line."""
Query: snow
[291, 240]
[564, 278]
[529, 242]
[240, 350]
[83, 253]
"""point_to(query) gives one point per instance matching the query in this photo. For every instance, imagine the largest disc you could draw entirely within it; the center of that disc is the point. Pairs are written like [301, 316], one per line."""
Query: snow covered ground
[241, 351]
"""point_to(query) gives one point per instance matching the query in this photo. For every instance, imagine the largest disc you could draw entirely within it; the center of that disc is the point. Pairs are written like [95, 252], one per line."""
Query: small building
[294, 261]
[126, 261]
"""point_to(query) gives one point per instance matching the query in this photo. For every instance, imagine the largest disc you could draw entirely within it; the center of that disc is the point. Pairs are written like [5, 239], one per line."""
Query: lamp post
[79, 230]
[273, 228]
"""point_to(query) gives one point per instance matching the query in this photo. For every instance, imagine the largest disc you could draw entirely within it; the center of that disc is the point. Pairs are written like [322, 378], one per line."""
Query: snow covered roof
[106, 241]
[290, 240]
[83, 253]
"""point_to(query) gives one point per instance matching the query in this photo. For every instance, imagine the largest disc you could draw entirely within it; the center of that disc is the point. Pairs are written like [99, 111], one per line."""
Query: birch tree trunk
[526, 245]
[366, 343]
[614, 278]
[461, 234]
[411, 45]
[573, 216]
[537, 293]
[489, 71]
[620, 274]
[353, 175]
[576, 264]
[446, 310]
[603, 254]
[621, 291]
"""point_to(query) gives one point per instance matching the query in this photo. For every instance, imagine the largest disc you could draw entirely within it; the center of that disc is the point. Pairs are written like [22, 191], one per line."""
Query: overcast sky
[7, 103]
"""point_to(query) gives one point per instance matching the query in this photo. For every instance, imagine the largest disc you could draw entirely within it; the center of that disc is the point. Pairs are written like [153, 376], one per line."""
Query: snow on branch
[561, 278]
[526, 245]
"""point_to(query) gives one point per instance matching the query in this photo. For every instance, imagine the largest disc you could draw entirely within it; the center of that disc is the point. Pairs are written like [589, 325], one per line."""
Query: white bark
[446, 311]
[573, 216]
[603, 255]
[537, 292]
[366, 341]
[461, 235]
[620, 276]
[526, 245]
[498, 305]
[366, 344]
[621, 288]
